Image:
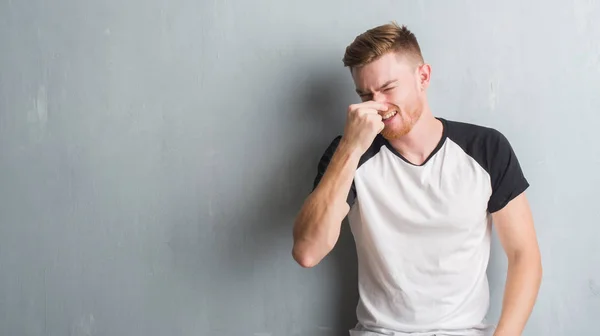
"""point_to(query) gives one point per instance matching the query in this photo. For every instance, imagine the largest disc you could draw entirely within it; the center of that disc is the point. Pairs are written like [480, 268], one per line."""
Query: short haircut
[380, 40]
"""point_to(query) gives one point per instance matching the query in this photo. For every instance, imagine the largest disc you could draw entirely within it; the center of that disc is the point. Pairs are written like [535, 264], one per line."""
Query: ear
[424, 73]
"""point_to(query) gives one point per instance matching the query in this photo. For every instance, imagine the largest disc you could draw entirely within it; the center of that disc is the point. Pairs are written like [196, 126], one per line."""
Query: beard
[401, 124]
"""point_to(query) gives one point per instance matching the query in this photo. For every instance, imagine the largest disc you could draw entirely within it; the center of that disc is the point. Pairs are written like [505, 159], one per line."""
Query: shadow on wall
[325, 100]
[237, 248]
[319, 106]
[344, 257]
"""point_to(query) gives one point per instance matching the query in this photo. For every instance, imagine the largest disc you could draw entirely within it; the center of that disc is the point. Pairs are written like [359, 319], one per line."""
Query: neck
[423, 138]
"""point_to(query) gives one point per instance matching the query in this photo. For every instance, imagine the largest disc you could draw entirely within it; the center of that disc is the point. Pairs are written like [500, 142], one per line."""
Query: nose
[378, 97]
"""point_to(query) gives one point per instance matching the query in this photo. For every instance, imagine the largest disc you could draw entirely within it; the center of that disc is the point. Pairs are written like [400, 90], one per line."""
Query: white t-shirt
[423, 232]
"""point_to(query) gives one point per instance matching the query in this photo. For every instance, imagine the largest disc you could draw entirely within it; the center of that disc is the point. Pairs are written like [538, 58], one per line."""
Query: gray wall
[154, 153]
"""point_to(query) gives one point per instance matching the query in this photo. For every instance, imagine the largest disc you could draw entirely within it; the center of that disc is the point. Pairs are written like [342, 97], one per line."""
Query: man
[420, 193]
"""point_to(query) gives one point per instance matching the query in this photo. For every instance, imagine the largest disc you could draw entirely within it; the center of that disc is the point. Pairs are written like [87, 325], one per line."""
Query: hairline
[407, 56]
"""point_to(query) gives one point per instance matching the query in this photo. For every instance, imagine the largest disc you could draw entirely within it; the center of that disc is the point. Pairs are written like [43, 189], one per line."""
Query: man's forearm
[317, 226]
[522, 286]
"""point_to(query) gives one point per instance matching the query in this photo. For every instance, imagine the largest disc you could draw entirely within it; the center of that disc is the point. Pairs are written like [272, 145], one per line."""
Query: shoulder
[468, 133]
[484, 144]
[492, 150]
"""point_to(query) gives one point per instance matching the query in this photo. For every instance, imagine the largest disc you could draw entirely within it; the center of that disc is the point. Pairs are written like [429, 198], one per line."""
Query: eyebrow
[381, 87]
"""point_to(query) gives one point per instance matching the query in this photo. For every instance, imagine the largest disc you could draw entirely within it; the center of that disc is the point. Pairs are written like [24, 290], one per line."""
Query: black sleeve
[505, 171]
[324, 163]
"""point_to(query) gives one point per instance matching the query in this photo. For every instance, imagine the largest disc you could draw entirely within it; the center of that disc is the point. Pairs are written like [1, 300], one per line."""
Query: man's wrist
[348, 149]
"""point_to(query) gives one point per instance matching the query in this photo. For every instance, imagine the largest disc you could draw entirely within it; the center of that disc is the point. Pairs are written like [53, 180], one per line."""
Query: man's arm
[317, 226]
[515, 228]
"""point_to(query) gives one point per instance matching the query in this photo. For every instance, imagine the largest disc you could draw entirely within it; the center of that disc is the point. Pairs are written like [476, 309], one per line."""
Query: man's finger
[375, 105]
[369, 105]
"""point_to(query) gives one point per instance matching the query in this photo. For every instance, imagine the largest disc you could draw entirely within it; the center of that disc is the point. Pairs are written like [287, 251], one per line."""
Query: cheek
[407, 101]
[406, 95]
[399, 97]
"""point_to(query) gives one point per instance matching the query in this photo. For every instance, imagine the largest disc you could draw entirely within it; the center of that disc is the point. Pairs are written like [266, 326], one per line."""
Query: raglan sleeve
[507, 178]
[324, 163]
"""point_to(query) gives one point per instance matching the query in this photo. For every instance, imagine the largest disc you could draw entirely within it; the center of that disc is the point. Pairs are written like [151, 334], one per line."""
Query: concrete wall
[154, 153]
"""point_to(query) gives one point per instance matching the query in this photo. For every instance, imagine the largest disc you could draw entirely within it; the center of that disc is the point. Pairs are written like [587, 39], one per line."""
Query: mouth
[389, 115]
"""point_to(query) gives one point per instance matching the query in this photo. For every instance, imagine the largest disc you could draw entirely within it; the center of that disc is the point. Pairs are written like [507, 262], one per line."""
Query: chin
[400, 127]
[397, 130]
[395, 133]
